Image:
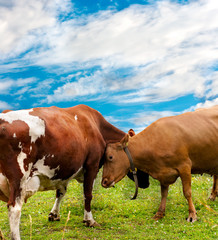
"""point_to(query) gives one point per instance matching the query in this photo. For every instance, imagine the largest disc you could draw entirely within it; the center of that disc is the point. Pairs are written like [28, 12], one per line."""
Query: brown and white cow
[44, 148]
[169, 148]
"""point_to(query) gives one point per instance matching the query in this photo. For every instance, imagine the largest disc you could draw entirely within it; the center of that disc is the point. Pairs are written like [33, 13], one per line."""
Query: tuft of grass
[1, 235]
[119, 217]
[68, 218]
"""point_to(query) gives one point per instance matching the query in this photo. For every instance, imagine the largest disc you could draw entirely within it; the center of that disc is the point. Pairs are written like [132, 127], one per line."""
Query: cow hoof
[90, 223]
[158, 216]
[53, 217]
[192, 217]
[212, 197]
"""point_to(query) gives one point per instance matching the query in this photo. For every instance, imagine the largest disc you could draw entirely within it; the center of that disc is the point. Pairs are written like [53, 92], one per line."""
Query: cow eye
[110, 158]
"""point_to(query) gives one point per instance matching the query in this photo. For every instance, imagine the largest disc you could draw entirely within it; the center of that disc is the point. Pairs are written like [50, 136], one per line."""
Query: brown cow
[169, 148]
[44, 148]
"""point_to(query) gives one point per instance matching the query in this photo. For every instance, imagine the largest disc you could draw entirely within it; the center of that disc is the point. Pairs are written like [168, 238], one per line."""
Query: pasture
[119, 217]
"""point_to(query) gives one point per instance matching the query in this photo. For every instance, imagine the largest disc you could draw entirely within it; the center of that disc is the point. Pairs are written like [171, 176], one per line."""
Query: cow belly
[48, 184]
[203, 164]
[40, 182]
[212, 171]
[32, 186]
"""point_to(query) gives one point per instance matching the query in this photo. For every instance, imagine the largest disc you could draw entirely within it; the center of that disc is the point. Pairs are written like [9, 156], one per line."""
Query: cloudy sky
[133, 60]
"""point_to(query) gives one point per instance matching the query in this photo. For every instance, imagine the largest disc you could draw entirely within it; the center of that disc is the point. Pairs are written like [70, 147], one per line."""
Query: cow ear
[124, 141]
[131, 132]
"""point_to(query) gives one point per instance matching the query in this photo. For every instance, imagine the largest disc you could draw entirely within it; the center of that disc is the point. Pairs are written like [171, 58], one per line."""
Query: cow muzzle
[106, 183]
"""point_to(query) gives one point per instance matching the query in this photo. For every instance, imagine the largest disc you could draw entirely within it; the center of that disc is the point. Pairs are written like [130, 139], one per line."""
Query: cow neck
[110, 133]
[138, 149]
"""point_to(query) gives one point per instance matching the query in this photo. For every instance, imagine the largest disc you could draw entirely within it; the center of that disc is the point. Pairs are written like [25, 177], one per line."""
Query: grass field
[120, 217]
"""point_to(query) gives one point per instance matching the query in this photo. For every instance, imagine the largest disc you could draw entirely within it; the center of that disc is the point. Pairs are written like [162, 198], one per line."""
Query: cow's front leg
[161, 211]
[214, 192]
[54, 215]
[89, 177]
[14, 213]
[185, 175]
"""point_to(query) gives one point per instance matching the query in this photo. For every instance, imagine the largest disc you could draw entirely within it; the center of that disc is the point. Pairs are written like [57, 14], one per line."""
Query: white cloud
[82, 87]
[21, 85]
[22, 23]
[137, 35]
[140, 120]
[146, 118]
[6, 3]
[164, 86]
[212, 89]
[4, 105]
[167, 45]
[206, 104]
[169, 48]
[5, 86]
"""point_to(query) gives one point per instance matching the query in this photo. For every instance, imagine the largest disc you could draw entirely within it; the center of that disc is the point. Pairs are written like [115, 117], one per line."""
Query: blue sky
[134, 61]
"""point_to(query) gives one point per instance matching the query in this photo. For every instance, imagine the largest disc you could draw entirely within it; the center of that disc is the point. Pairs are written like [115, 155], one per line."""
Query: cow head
[116, 164]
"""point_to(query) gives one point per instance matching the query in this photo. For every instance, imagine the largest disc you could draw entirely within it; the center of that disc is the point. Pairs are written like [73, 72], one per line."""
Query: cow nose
[104, 182]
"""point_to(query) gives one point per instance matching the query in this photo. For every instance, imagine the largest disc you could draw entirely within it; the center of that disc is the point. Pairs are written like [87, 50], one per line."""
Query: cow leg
[185, 175]
[14, 213]
[214, 192]
[161, 211]
[54, 215]
[89, 177]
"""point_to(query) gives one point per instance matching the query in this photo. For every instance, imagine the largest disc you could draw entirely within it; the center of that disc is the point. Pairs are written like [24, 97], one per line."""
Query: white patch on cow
[76, 117]
[20, 159]
[52, 155]
[36, 125]
[14, 136]
[43, 169]
[88, 217]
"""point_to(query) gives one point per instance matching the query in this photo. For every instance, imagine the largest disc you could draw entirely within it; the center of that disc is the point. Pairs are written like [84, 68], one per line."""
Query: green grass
[120, 217]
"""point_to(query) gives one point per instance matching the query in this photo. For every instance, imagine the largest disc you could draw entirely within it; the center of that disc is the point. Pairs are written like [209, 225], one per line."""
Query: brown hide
[169, 148]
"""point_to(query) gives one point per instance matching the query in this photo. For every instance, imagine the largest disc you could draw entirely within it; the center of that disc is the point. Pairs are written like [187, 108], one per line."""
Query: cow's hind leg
[54, 214]
[161, 211]
[14, 213]
[214, 192]
[185, 175]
